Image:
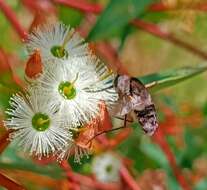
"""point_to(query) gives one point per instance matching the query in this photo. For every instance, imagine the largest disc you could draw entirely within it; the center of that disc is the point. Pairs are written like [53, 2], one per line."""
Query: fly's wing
[140, 97]
[143, 106]
[122, 85]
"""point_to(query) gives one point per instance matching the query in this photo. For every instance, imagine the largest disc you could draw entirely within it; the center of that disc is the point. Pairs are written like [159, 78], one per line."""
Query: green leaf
[12, 159]
[158, 81]
[130, 148]
[116, 16]
[154, 152]
[69, 16]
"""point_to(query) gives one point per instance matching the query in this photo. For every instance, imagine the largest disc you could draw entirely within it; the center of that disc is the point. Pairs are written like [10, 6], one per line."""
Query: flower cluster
[63, 94]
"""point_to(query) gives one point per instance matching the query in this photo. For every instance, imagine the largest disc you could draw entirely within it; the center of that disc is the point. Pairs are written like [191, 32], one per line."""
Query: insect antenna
[111, 130]
[107, 131]
[124, 119]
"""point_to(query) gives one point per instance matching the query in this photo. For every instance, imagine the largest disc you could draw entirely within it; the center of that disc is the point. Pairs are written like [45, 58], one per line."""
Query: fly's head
[122, 85]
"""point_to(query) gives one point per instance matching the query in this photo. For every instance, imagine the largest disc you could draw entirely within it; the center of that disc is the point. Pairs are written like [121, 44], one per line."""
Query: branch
[9, 184]
[5, 69]
[159, 138]
[128, 179]
[11, 16]
[81, 5]
[156, 31]
[87, 7]
[157, 7]
[4, 141]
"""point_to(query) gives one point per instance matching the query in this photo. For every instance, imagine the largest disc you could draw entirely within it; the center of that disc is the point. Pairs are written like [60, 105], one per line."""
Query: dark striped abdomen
[147, 119]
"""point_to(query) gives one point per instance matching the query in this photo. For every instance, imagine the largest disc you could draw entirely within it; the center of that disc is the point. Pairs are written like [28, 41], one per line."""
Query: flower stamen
[67, 38]
[106, 75]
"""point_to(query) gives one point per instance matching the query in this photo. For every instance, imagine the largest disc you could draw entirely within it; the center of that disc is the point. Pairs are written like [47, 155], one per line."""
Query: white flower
[106, 167]
[38, 127]
[56, 41]
[78, 85]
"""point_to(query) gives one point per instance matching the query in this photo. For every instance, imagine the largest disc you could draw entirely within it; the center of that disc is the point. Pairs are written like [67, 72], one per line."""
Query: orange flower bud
[34, 65]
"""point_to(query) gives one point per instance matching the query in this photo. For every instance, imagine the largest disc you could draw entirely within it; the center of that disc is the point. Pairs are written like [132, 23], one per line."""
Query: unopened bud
[34, 65]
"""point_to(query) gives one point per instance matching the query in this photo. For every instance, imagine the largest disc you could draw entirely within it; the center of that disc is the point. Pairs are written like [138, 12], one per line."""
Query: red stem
[129, 179]
[87, 7]
[6, 68]
[11, 16]
[4, 141]
[159, 138]
[156, 31]
[9, 184]
[158, 7]
[81, 5]
[202, 6]
[162, 7]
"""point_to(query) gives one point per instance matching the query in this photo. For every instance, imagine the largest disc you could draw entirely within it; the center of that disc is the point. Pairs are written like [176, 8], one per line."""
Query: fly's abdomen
[147, 119]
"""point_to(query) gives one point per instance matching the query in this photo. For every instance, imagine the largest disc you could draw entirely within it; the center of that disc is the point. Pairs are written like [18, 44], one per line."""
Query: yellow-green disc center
[40, 122]
[109, 168]
[67, 90]
[59, 52]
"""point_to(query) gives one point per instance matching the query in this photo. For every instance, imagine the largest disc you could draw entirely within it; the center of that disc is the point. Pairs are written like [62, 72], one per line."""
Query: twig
[128, 179]
[157, 7]
[156, 31]
[81, 5]
[43, 7]
[87, 7]
[9, 184]
[11, 16]
[4, 141]
[159, 138]
[68, 171]
[5, 68]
